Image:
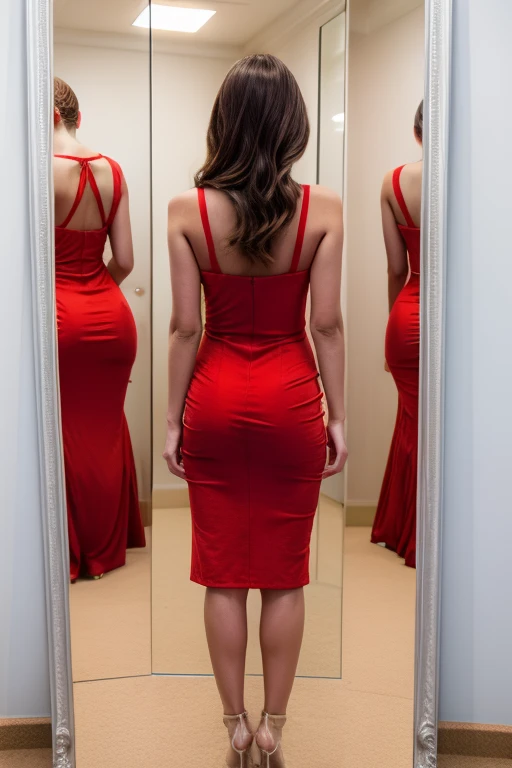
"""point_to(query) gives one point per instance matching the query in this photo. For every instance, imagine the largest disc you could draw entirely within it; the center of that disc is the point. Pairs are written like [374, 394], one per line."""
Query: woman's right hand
[386, 366]
[172, 451]
[338, 452]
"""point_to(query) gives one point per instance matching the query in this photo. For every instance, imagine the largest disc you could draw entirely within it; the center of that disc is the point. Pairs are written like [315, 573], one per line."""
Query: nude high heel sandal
[238, 730]
[270, 733]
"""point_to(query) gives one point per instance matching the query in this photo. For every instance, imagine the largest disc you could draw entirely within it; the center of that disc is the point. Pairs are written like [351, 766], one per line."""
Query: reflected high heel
[268, 740]
[238, 731]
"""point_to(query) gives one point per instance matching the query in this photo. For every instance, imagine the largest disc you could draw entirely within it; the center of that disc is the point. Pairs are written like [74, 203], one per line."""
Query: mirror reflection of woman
[97, 345]
[395, 521]
[245, 419]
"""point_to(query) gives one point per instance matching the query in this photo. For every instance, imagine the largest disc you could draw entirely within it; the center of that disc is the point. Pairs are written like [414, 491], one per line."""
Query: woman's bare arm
[120, 234]
[398, 265]
[326, 323]
[186, 323]
[185, 328]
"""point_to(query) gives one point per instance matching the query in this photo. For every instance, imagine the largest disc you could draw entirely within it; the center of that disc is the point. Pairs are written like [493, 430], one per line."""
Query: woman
[245, 421]
[97, 345]
[395, 521]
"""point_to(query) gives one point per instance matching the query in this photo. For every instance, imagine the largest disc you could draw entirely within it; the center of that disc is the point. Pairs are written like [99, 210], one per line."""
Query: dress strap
[400, 198]
[302, 227]
[97, 194]
[117, 176]
[80, 191]
[207, 230]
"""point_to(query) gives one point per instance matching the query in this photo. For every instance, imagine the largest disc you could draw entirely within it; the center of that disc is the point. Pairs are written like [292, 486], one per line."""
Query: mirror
[180, 647]
[103, 294]
[140, 672]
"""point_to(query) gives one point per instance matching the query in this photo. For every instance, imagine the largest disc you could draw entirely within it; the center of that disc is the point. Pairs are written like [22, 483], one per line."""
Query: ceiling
[235, 22]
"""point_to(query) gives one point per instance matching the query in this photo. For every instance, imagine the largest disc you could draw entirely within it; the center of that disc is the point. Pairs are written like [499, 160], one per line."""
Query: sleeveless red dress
[395, 521]
[254, 439]
[97, 343]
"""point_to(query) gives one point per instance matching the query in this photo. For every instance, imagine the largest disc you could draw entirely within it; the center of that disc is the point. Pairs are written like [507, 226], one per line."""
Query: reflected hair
[258, 129]
[65, 100]
[418, 122]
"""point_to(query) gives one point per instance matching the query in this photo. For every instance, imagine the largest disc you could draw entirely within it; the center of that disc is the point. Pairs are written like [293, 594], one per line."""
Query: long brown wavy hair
[258, 129]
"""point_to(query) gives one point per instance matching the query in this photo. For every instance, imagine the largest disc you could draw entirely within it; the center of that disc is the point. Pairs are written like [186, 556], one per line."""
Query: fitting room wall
[385, 86]
[476, 624]
[112, 86]
[24, 678]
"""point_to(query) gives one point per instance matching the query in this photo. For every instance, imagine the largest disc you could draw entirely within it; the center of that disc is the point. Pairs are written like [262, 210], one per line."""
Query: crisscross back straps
[302, 227]
[400, 198]
[203, 209]
[86, 175]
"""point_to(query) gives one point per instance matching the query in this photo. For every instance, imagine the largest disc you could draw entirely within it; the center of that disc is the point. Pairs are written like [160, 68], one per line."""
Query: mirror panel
[106, 63]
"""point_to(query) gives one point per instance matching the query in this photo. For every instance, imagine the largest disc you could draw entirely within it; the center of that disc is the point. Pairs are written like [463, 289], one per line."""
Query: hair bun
[65, 100]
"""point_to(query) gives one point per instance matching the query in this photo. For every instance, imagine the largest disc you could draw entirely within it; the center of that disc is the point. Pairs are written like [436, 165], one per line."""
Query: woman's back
[222, 219]
[68, 175]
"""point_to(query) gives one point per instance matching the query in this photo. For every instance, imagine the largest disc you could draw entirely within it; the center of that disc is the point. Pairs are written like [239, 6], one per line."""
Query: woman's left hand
[172, 452]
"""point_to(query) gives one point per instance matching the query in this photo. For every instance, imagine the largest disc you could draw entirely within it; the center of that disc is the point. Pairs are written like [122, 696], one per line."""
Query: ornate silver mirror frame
[40, 89]
[438, 26]
[39, 22]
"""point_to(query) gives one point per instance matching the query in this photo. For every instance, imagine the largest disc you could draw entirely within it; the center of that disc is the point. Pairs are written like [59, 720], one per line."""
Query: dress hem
[252, 585]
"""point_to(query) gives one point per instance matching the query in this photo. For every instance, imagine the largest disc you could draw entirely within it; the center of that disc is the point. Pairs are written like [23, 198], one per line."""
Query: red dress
[97, 345]
[254, 440]
[395, 521]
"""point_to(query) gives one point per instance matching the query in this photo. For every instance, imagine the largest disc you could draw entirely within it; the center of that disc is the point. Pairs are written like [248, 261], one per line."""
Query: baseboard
[170, 498]
[475, 740]
[25, 733]
[361, 515]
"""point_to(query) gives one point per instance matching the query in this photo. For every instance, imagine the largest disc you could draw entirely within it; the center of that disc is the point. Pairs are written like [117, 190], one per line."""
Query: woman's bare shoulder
[324, 198]
[184, 203]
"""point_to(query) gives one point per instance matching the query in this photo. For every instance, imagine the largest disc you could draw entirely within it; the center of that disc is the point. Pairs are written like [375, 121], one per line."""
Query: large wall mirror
[133, 97]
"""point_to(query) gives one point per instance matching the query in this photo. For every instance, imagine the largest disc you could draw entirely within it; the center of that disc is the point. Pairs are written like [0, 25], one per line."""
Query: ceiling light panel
[172, 19]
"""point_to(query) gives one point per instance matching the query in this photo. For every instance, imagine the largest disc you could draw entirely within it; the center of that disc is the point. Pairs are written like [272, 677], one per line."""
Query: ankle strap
[240, 717]
[267, 715]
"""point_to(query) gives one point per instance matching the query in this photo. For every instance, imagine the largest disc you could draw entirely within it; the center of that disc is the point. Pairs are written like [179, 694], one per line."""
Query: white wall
[184, 89]
[112, 86]
[385, 86]
[476, 626]
[24, 680]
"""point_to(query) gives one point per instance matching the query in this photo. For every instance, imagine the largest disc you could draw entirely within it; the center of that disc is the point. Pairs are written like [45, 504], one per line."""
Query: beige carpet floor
[364, 721]
[179, 646]
[111, 620]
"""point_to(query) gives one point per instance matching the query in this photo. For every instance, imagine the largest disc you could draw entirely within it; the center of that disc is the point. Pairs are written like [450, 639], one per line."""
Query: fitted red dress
[395, 521]
[97, 345]
[254, 440]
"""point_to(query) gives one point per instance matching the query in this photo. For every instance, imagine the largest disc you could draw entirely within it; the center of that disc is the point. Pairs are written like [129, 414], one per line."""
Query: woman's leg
[225, 618]
[281, 631]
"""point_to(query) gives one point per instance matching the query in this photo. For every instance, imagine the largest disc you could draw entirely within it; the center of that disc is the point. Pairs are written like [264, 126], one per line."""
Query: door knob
[140, 291]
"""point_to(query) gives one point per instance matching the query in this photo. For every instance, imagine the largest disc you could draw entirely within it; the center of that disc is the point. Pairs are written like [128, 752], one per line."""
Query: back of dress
[97, 347]
[254, 440]
[395, 520]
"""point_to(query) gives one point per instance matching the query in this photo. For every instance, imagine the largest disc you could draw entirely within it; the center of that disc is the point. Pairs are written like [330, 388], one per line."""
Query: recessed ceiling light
[173, 19]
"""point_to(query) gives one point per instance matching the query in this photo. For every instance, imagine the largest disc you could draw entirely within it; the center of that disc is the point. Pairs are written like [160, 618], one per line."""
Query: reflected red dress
[97, 345]
[254, 440]
[395, 521]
